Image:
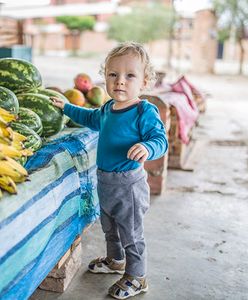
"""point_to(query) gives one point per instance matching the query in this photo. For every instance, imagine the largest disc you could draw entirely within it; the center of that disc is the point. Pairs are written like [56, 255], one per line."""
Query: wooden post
[20, 32]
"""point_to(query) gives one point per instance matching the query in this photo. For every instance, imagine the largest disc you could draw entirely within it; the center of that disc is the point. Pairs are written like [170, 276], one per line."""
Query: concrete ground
[196, 231]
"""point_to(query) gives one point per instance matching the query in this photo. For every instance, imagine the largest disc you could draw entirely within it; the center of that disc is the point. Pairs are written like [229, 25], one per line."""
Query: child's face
[125, 77]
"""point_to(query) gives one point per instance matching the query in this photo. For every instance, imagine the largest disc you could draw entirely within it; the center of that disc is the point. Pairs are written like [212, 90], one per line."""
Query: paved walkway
[197, 230]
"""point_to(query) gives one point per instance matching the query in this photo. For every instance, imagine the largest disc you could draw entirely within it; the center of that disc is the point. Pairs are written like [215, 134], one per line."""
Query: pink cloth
[187, 116]
[183, 86]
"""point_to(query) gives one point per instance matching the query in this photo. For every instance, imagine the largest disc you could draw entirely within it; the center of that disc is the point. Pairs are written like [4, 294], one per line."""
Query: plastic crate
[17, 51]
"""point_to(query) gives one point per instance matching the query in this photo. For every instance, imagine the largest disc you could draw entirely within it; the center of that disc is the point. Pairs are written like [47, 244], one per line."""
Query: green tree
[233, 18]
[77, 24]
[142, 25]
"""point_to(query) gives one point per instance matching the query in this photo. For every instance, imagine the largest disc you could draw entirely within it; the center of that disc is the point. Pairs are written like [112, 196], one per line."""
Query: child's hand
[138, 152]
[57, 102]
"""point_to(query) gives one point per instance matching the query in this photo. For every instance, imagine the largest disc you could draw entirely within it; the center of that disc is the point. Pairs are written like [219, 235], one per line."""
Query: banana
[17, 145]
[19, 137]
[27, 152]
[7, 169]
[6, 115]
[2, 156]
[17, 166]
[3, 123]
[6, 132]
[8, 184]
[1, 193]
[5, 140]
[11, 151]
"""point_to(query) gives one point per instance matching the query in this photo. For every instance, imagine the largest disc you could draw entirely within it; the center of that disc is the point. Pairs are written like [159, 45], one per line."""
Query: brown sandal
[128, 286]
[106, 265]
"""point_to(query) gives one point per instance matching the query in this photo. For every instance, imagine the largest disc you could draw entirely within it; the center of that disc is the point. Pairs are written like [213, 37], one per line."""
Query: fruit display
[75, 97]
[27, 114]
[8, 100]
[51, 117]
[19, 76]
[96, 96]
[85, 93]
[14, 149]
[33, 141]
[83, 82]
[29, 118]
[21, 85]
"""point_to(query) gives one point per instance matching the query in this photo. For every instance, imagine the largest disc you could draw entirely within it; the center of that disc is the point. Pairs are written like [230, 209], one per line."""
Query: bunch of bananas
[12, 149]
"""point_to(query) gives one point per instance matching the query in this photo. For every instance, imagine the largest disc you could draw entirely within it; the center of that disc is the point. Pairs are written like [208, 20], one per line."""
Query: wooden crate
[157, 169]
[64, 271]
[178, 151]
[11, 32]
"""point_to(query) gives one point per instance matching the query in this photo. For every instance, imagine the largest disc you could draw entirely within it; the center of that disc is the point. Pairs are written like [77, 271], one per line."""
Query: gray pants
[124, 198]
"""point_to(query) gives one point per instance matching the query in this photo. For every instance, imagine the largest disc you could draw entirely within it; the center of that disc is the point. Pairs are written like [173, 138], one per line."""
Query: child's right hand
[57, 102]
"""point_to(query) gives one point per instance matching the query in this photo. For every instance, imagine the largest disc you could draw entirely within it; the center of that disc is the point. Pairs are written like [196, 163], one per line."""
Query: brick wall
[204, 44]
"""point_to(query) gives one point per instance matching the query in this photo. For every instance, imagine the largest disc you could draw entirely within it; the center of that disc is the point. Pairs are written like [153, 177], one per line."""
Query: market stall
[39, 224]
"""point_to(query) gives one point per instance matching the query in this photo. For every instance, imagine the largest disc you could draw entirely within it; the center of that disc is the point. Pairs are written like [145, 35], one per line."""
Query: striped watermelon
[51, 117]
[19, 76]
[8, 100]
[34, 141]
[52, 93]
[29, 118]
[22, 160]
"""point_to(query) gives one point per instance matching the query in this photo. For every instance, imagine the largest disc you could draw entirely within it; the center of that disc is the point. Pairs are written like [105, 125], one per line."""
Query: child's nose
[120, 80]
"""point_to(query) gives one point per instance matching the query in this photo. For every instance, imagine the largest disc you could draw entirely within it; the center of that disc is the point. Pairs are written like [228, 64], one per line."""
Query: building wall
[204, 44]
[193, 38]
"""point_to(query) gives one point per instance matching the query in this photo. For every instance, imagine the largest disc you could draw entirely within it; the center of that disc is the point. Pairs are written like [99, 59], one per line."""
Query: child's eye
[130, 75]
[112, 75]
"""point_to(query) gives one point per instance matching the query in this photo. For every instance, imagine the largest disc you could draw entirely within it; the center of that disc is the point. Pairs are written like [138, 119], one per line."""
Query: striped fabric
[38, 225]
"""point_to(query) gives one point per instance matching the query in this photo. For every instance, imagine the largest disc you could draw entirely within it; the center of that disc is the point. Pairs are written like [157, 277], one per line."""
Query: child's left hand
[138, 152]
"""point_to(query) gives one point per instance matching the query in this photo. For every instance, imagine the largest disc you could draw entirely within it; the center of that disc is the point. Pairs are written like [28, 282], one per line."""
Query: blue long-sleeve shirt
[119, 130]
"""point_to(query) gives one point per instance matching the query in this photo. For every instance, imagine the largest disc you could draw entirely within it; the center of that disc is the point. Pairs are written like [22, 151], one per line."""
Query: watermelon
[51, 117]
[19, 76]
[52, 93]
[8, 100]
[29, 118]
[22, 160]
[34, 141]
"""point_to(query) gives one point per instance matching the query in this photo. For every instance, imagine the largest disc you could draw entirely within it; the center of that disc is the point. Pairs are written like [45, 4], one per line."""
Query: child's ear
[145, 82]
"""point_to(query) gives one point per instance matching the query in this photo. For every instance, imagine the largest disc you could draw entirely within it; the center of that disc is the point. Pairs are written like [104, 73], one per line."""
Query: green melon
[29, 118]
[19, 76]
[51, 117]
[8, 100]
[34, 141]
[52, 93]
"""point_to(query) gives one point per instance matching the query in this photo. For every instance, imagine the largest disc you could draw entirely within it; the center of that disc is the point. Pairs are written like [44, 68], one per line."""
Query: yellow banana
[3, 123]
[5, 140]
[7, 132]
[2, 156]
[17, 166]
[10, 151]
[1, 193]
[6, 115]
[18, 137]
[17, 145]
[7, 169]
[27, 152]
[8, 184]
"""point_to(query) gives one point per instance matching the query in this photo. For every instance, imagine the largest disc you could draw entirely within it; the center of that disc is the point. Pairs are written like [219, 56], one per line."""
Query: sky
[191, 5]
[187, 6]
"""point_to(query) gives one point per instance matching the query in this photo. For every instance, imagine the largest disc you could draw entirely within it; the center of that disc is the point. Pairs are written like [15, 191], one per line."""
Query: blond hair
[136, 49]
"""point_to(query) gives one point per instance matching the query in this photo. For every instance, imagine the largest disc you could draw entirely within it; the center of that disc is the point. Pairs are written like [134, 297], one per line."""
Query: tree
[233, 16]
[142, 25]
[77, 24]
